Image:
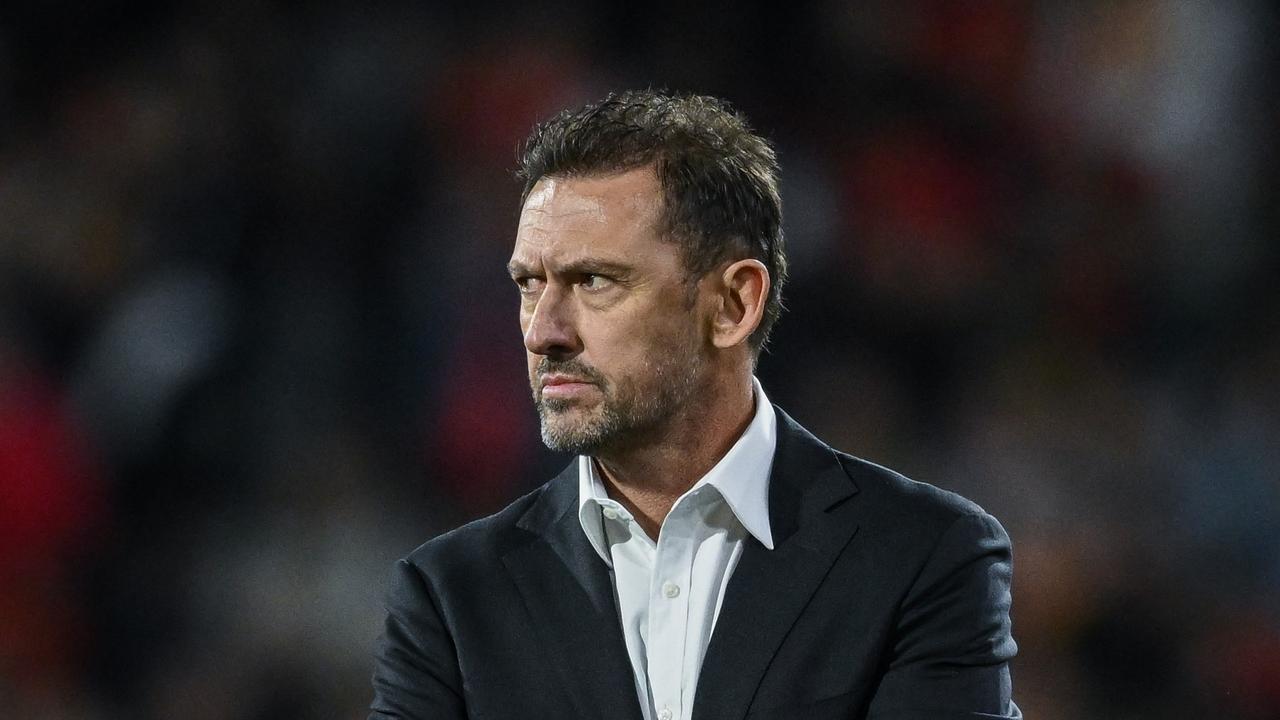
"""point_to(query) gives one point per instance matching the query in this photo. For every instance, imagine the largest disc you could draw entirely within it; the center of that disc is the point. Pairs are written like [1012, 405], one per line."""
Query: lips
[562, 380]
[563, 386]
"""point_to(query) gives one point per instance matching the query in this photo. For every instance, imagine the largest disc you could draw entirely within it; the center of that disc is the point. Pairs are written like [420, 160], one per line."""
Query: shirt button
[670, 590]
[610, 513]
[665, 712]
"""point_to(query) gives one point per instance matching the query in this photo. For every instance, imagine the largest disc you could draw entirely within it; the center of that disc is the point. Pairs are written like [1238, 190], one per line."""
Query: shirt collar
[741, 477]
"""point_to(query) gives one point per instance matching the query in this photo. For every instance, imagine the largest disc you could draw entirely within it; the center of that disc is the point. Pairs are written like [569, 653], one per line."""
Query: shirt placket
[669, 615]
[633, 559]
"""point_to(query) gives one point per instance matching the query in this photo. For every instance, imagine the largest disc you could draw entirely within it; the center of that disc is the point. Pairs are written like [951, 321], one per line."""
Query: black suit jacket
[882, 598]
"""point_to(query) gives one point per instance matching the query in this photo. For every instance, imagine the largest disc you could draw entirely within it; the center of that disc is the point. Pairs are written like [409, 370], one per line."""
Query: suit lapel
[769, 589]
[569, 594]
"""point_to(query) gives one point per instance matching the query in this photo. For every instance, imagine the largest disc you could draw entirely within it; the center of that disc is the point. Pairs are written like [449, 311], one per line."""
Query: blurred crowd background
[257, 341]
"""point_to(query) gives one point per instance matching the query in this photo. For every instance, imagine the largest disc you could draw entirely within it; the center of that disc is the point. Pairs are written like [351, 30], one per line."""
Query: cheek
[674, 329]
[638, 345]
[636, 337]
[614, 347]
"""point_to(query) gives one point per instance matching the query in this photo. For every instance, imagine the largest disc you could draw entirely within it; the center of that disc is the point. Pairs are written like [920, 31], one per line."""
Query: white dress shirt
[669, 592]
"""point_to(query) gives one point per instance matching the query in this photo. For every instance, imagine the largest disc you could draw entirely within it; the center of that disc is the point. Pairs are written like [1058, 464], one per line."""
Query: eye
[594, 282]
[527, 284]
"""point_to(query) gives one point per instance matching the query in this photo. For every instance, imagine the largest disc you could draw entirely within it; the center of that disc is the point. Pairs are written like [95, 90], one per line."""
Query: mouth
[564, 386]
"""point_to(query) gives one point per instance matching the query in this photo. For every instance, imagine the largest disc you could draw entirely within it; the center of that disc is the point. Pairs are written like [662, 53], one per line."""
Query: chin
[573, 431]
[574, 443]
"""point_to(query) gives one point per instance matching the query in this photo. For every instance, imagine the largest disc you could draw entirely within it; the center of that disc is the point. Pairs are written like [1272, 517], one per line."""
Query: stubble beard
[630, 412]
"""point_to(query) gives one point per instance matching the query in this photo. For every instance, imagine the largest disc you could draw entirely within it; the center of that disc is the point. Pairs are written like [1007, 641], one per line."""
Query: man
[704, 556]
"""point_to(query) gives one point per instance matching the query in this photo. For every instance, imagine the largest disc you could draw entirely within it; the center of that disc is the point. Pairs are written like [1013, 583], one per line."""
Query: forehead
[614, 215]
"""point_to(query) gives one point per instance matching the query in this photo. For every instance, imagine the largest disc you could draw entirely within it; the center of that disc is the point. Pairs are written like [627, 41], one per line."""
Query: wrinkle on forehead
[575, 211]
[553, 211]
[551, 198]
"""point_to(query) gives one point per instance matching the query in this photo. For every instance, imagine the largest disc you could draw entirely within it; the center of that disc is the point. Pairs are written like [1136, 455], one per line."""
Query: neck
[649, 478]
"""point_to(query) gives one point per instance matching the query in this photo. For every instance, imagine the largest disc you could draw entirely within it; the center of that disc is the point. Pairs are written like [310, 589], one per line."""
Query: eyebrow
[585, 266]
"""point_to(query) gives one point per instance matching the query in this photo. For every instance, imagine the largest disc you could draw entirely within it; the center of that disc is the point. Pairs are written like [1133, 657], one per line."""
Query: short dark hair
[719, 179]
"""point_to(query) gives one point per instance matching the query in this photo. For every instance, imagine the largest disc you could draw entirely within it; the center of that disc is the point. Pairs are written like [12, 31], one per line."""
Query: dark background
[257, 342]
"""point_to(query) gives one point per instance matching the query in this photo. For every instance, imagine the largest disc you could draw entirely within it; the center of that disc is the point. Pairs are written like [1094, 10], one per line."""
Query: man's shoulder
[890, 486]
[887, 495]
[907, 509]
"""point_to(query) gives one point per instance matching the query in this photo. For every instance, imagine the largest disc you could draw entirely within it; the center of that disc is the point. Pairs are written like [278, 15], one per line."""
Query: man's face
[613, 340]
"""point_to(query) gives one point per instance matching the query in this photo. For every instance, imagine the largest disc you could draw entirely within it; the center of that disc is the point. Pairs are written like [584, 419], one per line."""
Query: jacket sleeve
[415, 675]
[953, 641]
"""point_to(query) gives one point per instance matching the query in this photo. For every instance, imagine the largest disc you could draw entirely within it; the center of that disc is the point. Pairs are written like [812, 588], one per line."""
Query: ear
[742, 291]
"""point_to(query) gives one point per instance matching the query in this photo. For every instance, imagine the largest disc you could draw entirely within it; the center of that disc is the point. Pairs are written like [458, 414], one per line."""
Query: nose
[550, 330]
